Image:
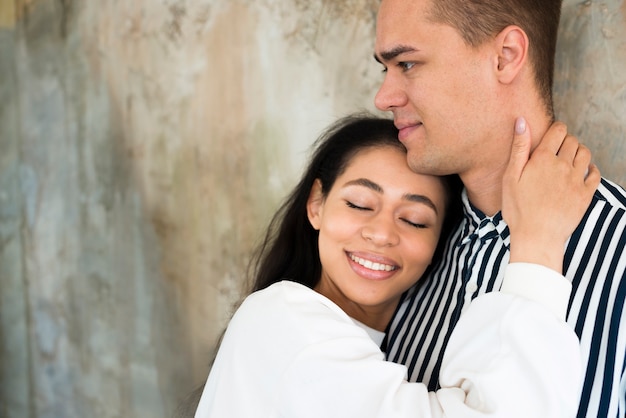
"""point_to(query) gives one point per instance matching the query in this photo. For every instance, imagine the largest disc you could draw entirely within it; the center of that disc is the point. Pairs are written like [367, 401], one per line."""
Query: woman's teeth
[371, 265]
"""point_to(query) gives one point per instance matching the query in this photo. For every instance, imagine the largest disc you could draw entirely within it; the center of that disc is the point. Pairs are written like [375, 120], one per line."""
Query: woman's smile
[372, 267]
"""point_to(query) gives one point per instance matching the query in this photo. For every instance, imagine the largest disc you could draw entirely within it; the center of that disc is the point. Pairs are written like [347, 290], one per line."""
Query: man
[458, 74]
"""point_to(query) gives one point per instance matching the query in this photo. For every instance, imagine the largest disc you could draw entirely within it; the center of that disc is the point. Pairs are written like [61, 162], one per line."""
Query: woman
[357, 231]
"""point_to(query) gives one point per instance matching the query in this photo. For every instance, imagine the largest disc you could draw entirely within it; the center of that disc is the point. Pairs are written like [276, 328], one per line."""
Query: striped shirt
[473, 263]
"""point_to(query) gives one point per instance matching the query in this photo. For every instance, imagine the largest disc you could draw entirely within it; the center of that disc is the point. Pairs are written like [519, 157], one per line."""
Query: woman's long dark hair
[289, 250]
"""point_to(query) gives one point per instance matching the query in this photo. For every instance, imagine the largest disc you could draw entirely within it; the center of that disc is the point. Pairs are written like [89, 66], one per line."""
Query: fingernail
[520, 125]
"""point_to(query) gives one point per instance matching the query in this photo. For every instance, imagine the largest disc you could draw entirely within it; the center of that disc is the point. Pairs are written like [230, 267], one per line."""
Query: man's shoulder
[601, 235]
[611, 193]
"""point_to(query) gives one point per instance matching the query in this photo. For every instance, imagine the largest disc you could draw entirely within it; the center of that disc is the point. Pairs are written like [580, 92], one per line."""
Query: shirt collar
[478, 226]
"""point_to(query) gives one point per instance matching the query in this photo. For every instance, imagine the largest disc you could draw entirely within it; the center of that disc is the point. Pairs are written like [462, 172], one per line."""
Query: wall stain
[173, 27]
[8, 14]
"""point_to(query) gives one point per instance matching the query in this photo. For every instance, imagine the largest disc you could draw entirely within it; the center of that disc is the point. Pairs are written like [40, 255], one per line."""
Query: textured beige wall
[144, 146]
[590, 80]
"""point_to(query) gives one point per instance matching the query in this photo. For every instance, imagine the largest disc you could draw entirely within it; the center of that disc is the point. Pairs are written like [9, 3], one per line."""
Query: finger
[553, 138]
[592, 181]
[520, 149]
[569, 149]
[582, 160]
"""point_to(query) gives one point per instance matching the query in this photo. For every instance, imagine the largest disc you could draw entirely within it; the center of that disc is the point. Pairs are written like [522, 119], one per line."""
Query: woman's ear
[315, 204]
[512, 44]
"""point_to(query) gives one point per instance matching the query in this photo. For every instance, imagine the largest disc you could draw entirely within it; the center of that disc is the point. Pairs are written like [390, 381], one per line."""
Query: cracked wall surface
[145, 145]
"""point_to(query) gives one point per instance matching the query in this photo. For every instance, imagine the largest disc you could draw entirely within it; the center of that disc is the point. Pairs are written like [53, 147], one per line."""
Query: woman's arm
[537, 370]
[509, 356]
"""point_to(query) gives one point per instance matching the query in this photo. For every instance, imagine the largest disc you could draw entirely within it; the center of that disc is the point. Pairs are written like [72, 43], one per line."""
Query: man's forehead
[401, 16]
[401, 29]
[399, 9]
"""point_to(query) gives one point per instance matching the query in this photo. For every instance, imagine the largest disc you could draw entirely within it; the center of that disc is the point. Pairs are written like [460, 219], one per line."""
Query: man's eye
[405, 66]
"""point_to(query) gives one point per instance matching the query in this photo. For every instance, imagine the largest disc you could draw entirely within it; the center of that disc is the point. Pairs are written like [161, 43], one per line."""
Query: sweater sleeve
[510, 355]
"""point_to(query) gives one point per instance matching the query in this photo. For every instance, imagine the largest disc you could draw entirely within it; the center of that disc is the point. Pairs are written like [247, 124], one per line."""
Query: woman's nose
[381, 232]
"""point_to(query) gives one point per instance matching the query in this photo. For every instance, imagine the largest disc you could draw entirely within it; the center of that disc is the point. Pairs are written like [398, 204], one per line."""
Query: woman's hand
[545, 194]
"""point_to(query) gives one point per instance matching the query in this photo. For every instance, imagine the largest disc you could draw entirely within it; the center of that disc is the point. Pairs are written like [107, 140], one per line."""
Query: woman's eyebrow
[365, 183]
[411, 197]
[420, 198]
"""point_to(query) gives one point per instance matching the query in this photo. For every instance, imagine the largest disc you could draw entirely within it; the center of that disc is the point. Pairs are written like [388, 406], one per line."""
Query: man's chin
[426, 167]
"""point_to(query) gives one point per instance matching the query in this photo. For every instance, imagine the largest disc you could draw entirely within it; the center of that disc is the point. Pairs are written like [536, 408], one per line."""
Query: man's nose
[390, 95]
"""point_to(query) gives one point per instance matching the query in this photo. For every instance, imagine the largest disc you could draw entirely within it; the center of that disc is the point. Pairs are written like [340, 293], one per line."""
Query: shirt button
[471, 287]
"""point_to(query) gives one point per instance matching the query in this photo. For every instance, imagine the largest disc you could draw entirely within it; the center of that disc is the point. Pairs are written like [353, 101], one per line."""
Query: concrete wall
[590, 80]
[144, 146]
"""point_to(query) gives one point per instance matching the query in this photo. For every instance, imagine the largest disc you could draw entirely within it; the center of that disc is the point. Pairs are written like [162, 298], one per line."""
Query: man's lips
[405, 130]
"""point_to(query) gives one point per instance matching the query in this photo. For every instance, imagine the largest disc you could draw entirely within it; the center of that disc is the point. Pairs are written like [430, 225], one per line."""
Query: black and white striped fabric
[473, 264]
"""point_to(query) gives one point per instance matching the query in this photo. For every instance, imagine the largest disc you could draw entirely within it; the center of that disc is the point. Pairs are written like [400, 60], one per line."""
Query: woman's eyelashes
[355, 206]
[414, 224]
[408, 221]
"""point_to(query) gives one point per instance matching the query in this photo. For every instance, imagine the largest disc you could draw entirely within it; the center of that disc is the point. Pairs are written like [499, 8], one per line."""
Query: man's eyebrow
[393, 53]
[417, 198]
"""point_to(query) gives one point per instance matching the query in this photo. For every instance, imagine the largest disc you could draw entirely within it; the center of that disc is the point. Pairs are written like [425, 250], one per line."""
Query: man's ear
[315, 204]
[512, 44]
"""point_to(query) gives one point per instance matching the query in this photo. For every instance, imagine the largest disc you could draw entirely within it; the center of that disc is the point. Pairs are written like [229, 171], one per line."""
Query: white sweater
[290, 352]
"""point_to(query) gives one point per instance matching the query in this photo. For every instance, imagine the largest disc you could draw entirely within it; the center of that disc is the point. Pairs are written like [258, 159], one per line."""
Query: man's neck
[484, 184]
[485, 192]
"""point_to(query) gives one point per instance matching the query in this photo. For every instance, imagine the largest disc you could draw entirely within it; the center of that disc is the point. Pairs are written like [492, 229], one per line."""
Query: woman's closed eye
[353, 206]
[414, 224]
